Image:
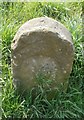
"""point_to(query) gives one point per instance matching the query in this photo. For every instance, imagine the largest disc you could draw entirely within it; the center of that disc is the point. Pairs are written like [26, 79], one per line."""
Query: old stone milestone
[42, 47]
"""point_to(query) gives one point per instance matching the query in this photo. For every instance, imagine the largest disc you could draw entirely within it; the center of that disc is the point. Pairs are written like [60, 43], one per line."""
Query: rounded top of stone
[43, 24]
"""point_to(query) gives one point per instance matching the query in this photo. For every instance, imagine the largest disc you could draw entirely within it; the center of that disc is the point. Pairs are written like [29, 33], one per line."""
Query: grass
[65, 104]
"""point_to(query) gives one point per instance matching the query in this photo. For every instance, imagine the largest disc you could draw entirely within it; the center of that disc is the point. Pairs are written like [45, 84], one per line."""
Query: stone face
[41, 47]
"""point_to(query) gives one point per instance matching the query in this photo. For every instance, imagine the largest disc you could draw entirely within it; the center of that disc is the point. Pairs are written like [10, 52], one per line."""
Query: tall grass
[65, 104]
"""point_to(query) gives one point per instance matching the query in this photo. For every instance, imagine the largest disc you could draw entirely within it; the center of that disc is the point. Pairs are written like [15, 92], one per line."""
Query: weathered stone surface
[41, 47]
